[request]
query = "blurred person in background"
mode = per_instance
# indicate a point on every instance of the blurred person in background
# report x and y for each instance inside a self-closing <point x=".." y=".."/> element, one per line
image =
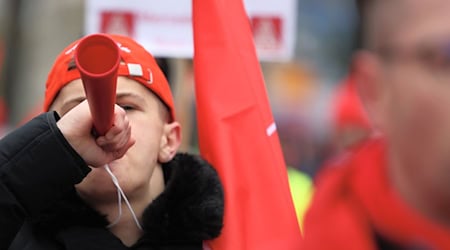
<point x="56" y="194"/>
<point x="350" y="124"/>
<point x="3" y="107"/>
<point x="4" y="128"/>
<point x="393" y="192"/>
<point x="294" y="144"/>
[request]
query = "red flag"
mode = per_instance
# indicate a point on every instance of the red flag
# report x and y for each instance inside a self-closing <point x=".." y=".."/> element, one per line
<point x="237" y="133"/>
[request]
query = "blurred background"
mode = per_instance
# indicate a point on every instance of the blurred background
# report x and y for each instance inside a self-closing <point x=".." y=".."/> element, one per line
<point x="310" y="90"/>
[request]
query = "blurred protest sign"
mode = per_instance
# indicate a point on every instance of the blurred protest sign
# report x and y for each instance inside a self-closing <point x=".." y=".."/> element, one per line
<point x="165" y="27"/>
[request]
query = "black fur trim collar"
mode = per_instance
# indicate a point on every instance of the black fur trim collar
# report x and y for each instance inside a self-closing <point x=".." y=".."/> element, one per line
<point x="190" y="208"/>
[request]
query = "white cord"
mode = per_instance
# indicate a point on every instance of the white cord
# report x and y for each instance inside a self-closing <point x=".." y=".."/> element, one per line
<point x="119" y="203"/>
<point x="120" y="195"/>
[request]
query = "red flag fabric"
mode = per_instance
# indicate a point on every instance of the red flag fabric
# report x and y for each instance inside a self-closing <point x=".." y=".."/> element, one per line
<point x="237" y="133"/>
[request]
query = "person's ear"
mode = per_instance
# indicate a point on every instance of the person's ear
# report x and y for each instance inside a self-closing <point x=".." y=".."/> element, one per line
<point x="367" y="71"/>
<point x="170" y="142"/>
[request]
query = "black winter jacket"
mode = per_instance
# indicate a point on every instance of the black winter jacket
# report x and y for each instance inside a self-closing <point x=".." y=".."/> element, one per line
<point x="39" y="207"/>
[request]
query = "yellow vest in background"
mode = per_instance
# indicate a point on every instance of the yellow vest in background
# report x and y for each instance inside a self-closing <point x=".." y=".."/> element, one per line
<point x="301" y="191"/>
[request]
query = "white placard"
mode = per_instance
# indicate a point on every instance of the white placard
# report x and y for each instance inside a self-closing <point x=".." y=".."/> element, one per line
<point x="165" y="27"/>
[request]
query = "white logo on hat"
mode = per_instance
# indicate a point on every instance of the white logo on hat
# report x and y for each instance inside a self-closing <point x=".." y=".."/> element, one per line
<point x="71" y="49"/>
<point x="126" y="49"/>
<point x="150" y="73"/>
<point x="135" y="69"/>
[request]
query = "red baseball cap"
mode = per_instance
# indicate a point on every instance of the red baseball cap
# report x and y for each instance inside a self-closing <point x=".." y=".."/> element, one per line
<point x="136" y="63"/>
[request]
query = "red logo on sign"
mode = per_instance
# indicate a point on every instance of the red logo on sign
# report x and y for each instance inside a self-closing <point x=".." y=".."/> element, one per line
<point x="115" y="22"/>
<point x="267" y="32"/>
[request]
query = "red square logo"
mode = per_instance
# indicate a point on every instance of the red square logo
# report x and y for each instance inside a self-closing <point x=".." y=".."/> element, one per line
<point x="267" y="32"/>
<point x="117" y="22"/>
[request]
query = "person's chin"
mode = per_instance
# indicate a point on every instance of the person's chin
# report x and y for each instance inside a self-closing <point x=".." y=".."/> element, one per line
<point x="97" y="178"/>
<point x="100" y="191"/>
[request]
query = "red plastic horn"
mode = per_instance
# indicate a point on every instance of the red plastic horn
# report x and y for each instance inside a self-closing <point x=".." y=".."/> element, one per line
<point x="97" y="57"/>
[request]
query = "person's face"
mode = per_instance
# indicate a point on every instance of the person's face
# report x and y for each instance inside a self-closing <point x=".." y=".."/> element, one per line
<point x="148" y="120"/>
<point x="407" y="81"/>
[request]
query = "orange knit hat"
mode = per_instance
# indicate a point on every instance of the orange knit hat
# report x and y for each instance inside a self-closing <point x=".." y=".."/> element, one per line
<point x="137" y="64"/>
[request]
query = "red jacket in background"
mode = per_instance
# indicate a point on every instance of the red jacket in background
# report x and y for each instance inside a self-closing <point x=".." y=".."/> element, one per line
<point x="355" y="207"/>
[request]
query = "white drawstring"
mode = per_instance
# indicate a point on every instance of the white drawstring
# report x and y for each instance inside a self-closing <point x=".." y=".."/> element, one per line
<point x="119" y="203"/>
<point x="120" y="195"/>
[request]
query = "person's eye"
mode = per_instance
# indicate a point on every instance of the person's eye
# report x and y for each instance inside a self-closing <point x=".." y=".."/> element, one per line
<point x="66" y="108"/>
<point x="127" y="107"/>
